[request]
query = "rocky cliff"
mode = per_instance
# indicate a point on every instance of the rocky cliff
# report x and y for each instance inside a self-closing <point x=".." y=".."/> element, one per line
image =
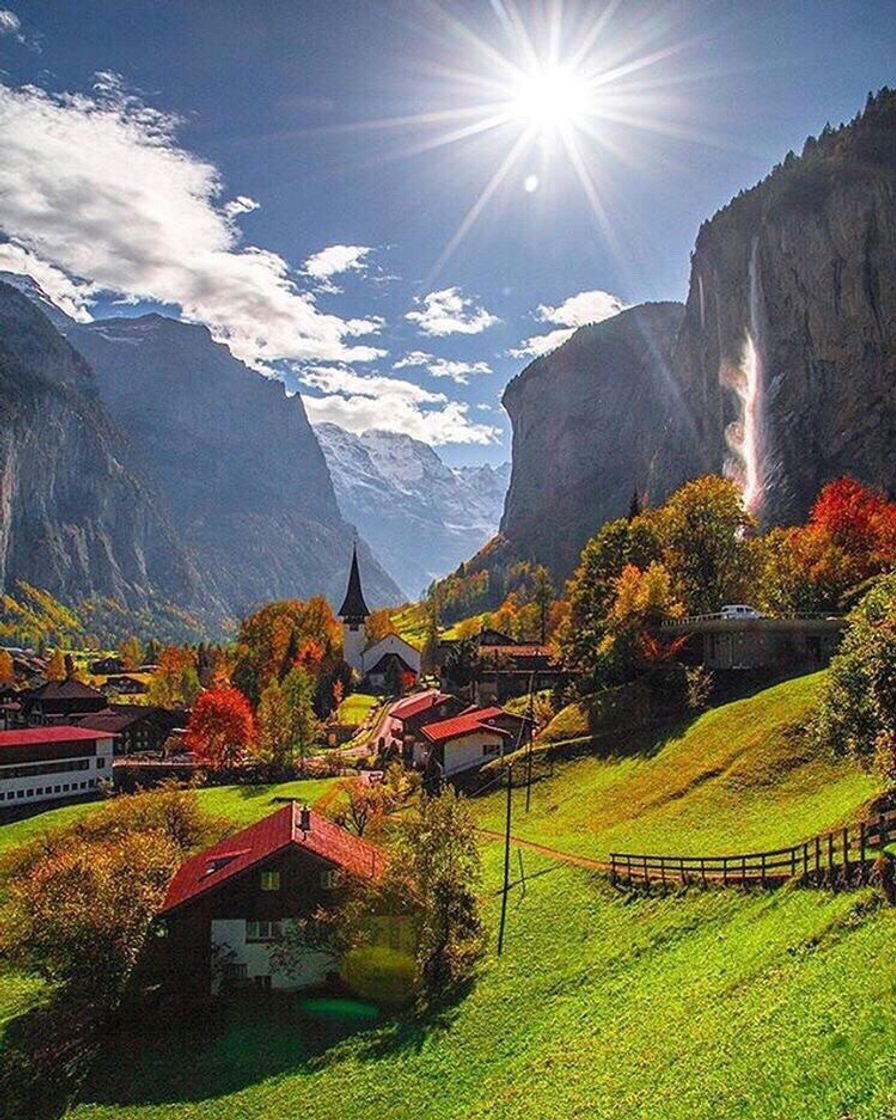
<point x="787" y="353"/>
<point x="73" y="518"/>
<point x="233" y="459"/>
<point x="595" y="420"/>
<point x="420" y="516"/>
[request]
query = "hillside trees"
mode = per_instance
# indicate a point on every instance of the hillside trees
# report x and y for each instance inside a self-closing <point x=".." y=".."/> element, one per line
<point x="221" y="728"/>
<point x="857" y="714"/>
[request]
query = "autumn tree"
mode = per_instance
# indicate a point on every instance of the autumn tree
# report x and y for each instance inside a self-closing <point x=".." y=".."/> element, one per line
<point x="33" y="616"/>
<point x="857" y="712"/>
<point x="7" y="669"/>
<point x="175" y="682"/>
<point x="131" y="653"/>
<point x="366" y="802"/>
<point x="221" y="728"/>
<point x="275" y="728"/>
<point x="439" y="854"/>
<point x="378" y="625"/>
<point x="55" y="670"/>
<point x="305" y="729"/>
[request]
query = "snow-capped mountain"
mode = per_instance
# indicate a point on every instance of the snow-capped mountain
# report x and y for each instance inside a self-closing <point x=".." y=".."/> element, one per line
<point x="420" y="516"/>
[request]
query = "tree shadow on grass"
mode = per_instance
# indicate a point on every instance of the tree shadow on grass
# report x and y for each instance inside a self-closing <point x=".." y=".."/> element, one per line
<point x="45" y="1055"/>
<point x="240" y="1042"/>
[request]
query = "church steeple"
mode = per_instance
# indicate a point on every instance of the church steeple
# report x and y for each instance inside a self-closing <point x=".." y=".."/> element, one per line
<point x="354" y="610"/>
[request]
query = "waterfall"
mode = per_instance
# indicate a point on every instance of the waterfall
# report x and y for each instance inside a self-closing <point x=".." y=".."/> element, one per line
<point x="746" y="436"/>
<point x="702" y="304"/>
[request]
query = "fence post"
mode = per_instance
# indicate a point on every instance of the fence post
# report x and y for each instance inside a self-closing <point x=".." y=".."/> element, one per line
<point x="793" y="863"/>
<point x="681" y="872"/>
<point x="628" y="860"/>
<point x="806" y="862"/>
<point x="743" y="870"/>
<point x="612" y="869"/>
<point x="703" y="870"/>
<point x="846" y="857"/>
<point x="663" y="871"/>
<point x="646" y="874"/>
<point x="725" y="871"/>
<point x="817" y="860"/>
<point x="832" y="882"/>
<point x="863" y="876"/>
<point x="763" y="868"/>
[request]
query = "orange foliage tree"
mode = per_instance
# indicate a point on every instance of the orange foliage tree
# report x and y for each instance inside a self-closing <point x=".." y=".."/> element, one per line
<point x="221" y="727"/>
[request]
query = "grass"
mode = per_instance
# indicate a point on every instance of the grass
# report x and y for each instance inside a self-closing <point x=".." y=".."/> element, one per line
<point x="688" y="1007"/>
<point x="695" y="1005"/>
<point x="241" y="804"/>
<point x="355" y="708"/>
<point x="739" y="778"/>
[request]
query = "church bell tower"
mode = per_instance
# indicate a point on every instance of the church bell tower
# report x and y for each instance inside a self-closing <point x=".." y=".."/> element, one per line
<point x="353" y="613"/>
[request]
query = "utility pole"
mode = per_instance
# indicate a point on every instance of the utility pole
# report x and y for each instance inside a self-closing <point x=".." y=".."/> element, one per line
<point x="506" y="859"/>
<point x="530" y="719"/>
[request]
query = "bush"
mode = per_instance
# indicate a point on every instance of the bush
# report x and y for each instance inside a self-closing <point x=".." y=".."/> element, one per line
<point x="379" y="974"/>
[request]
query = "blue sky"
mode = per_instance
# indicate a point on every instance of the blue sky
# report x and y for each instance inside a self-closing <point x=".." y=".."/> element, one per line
<point x="316" y="181"/>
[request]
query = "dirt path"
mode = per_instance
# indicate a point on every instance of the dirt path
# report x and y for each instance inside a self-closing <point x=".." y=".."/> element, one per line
<point x="531" y="846"/>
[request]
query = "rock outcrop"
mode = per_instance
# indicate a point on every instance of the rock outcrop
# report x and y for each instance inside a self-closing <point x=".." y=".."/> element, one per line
<point x="594" y="421"/>
<point x="787" y="353"/>
<point x="73" y="519"/>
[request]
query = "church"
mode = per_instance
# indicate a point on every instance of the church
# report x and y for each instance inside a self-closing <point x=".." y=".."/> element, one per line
<point x="388" y="659"/>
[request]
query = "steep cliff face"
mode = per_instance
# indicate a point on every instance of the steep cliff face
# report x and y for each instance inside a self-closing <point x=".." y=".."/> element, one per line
<point x="73" y="519"/>
<point x="593" y="421"/>
<point x="233" y="459"/>
<point x="421" y="517"/>
<point x="787" y="353"/>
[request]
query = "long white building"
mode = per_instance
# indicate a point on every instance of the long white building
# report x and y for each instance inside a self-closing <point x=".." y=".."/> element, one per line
<point x="52" y="763"/>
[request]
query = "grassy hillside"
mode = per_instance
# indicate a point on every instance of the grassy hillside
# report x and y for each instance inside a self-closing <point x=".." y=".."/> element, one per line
<point x="740" y="777"/>
<point x="241" y="804"/>
<point x="690" y="1006"/>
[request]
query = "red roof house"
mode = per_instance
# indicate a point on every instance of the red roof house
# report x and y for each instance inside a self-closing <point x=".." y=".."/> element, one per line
<point x="227" y="907"/>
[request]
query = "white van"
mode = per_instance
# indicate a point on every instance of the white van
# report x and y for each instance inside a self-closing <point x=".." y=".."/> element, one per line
<point x="739" y="610"/>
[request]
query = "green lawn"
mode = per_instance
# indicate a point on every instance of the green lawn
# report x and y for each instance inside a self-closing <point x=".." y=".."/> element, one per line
<point x="689" y="1007"/>
<point x="695" y="1005"/>
<point x="241" y="804"/>
<point x="355" y="709"/>
<point x="740" y="777"/>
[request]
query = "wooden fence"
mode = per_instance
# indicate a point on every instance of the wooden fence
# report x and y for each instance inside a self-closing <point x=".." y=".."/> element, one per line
<point x="836" y="859"/>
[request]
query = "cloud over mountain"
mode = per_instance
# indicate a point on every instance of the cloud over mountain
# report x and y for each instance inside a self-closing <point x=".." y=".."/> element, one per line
<point x="97" y="188"/>
<point x="576" y="311"/>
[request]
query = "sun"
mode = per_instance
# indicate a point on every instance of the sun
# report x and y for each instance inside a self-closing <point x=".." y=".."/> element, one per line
<point x="550" y="98"/>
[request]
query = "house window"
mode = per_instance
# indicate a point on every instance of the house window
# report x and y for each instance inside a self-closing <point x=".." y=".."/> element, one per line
<point x="328" y="878"/>
<point x="270" y="880"/>
<point x="262" y="931"/>
<point x="100" y="763"/>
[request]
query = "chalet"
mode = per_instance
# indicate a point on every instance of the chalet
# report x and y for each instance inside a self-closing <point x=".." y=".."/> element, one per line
<point x="124" y="684"/>
<point x="382" y="663"/>
<point x="103" y="666"/>
<point x="413" y="712"/>
<point x="470" y="739"/>
<point x="52" y="763"/>
<point x="507" y="668"/>
<point x="58" y="701"/>
<point x="137" y="727"/>
<point x="227" y="907"/>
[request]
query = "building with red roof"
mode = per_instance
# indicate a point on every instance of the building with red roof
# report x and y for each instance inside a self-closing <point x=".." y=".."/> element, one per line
<point x="227" y="907"/>
<point x="472" y="737"/>
<point x="52" y="763"/>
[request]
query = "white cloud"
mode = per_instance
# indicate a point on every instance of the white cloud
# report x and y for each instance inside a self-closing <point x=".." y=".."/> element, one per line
<point x="575" y="312"/>
<point x="71" y="296"/>
<point x="242" y="204"/>
<point x="10" y="24"/>
<point x="360" y="402"/>
<point x="449" y="312"/>
<point x="97" y="187"/>
<point x="458" y="371"/>
<point x="332" y="261"/>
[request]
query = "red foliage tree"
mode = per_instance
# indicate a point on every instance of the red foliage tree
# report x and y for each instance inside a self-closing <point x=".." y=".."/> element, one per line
<point x="221" y="727"/>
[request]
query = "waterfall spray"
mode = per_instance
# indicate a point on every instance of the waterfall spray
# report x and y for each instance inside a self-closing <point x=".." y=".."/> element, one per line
<point x="746" y="437"/>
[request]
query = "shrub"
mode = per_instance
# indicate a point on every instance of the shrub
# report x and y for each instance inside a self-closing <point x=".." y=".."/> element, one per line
<point x="382" y="975"/>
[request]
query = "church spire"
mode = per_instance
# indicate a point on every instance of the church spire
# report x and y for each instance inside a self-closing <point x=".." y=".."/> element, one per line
<point x="354" y="609"/>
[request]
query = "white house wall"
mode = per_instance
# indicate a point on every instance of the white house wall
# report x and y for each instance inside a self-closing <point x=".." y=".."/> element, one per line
<point x="471" y="750"/>
<point x="230" y="933"/>
<point x="23" y="790"/>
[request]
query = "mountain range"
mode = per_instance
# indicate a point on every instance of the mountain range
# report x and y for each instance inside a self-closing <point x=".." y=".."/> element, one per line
<point x="420" y="517"/>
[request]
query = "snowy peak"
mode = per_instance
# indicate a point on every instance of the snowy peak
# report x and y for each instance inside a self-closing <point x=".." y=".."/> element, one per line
<point x="419" y="515"/>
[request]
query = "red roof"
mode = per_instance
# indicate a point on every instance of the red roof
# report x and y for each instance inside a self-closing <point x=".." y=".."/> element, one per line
<point x="416" y="704"/>
<point x="36" y="736"/>
<point x="266" y="837"/>
<point x="473" y="719"/>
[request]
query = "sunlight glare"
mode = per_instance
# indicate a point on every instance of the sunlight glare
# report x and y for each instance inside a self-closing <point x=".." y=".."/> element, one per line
<point x="550" y="98"/>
